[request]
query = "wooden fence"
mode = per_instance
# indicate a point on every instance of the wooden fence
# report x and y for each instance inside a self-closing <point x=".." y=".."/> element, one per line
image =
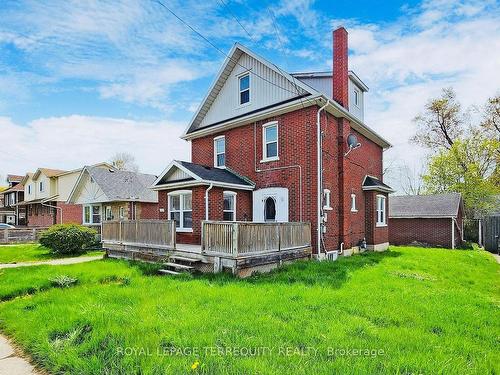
<point x="491" y="233"/>
<point x="245" y="238"/>
<point x="18" y="235"/>
<point x="160" y="233"/>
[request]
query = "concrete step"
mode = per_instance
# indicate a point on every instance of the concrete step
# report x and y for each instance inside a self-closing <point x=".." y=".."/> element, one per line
<point x="178" y="266"/>
<point x="169" y="272"/>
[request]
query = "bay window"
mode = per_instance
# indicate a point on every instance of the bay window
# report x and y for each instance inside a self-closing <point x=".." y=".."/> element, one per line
<point x="180" y="210"/>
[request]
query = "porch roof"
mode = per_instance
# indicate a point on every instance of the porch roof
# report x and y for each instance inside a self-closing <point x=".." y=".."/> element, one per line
<point x="373" y="183"/>
<point x="197" y="174"/>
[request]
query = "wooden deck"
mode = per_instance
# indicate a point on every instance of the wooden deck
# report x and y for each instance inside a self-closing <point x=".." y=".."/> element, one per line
<point x="239" y="247"/>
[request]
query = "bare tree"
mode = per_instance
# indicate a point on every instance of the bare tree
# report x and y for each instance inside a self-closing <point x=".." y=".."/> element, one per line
<point x="124" y="161"/>
<point x="441" y="123"/>
<point x="411" y="179"/>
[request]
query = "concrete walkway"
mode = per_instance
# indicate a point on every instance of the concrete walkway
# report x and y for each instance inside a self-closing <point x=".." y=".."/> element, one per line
<point x="10" y="361"/>
<point x="54" y="262"/>
<point x="497" y="257"/>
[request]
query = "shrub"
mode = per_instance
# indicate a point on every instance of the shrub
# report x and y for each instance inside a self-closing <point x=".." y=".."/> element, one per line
<point x="63" y="281"/>
<point x="68" y="238"/>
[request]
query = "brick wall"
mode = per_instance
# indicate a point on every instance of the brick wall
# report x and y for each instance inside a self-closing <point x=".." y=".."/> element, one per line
<point x="435" y="232"/>
<point x="148" y="211"/>
<point x="72" y="213"/>
<point x="40" y="216"/>
<point x="297" y="147"/>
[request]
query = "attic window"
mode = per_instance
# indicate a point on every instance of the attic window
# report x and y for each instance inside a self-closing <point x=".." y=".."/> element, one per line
<point x="357" y="95"/>
<point x="244" y="86"/>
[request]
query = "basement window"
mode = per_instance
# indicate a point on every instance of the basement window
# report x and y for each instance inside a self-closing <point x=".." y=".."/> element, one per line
<point x="244" y="86"/>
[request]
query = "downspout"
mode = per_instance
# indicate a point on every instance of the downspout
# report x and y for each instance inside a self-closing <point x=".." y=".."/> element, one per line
<point x="452" y="233"/>
<point x="206" y="200"/>
<point x="319" y="177"/>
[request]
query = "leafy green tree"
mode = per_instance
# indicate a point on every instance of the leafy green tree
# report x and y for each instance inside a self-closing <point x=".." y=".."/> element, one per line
<point x="469" y="166"/>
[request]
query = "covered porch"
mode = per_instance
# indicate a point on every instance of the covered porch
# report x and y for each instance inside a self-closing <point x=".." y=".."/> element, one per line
<point x="239" y="247"/>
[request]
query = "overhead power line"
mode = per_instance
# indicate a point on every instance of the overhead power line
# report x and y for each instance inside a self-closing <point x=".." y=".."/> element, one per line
<point x="218" y="49"/>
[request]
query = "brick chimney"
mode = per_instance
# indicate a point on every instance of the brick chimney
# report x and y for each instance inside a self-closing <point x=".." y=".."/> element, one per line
<point x="340" y="67"/>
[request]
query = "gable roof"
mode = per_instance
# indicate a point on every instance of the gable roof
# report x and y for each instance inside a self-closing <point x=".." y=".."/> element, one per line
<point x="300" y="90"/>
<point x="231" y="61"/>
<point x="124" y="185"/>
<point x="14" y="178"/>
<point x="47" y="172"/>
<point x="425" y="206"/>
<point x="373" y="183"/>
<point x="197" y="174"/>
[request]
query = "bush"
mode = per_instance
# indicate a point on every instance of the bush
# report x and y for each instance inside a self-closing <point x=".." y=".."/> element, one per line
<point x="68" y="238"/>
<point x="63" y="281"/>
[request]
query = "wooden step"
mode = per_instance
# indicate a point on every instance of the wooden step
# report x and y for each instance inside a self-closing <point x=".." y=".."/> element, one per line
<point x="184" y="259"/>
<point x="169" y="272"/>
<point x="178" y="266"/>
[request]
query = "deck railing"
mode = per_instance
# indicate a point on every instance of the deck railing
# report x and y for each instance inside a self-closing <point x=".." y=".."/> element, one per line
<point x="159" y="233"/>
<point x="246" y="238"/>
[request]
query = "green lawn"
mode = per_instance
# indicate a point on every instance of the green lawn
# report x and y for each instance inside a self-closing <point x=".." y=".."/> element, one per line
<point x="32" y="253"/>
<point x="406" y="311"/>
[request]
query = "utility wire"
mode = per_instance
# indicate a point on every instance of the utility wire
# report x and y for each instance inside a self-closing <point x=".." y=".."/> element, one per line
<point x="236" y="19"/>
<point x="217" y="48"/>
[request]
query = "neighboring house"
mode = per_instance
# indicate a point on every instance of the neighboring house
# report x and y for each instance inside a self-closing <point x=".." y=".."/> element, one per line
<point x="9" y="212"/>
<point x="257" y="156"/>
<point x="429" y="219"/>
<point x="111" y="194"/>
<point x="45" y="194"/>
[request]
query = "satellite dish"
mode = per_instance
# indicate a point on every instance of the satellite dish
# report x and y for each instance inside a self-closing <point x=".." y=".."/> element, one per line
<point x="352" y="142"/>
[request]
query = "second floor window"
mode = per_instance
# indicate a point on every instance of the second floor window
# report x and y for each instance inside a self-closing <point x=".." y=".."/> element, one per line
<point x="244" y="86"/>
<point x="270" y="141"/>
<point x="29" y="189"/>
<point x="41" y="185"/>
<point x="220" y="151"/>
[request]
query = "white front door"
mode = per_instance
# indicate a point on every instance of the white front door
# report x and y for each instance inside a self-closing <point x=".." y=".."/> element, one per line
<point x="270" y="205"/>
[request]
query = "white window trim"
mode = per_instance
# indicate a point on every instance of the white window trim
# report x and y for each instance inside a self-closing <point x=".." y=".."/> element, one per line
<point x="106" y="213"/>
<point x="327" y="199"/>
<point x="122" y="212"/>
<point x="234" y="194"/>
<point x="239" y="77"/>
<point x="181" y="228"/>
<point x="29" y="189"/>
<point x="356" y="91"/>
<point x="265" y="158"/>
<point x="91" y="222"/>
<point x="41" y="186"/>
<point x="353" y="203"/>
<point x="381" y="223"/>
<point x="216" y="154"/>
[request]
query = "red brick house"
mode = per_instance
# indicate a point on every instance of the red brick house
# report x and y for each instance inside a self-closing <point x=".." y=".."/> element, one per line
<point x="435" y="220"/>
<point x="272" y="146"/>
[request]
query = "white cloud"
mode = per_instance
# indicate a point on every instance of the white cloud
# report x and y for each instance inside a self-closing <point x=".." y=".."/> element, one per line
<point x="73" y="141"/>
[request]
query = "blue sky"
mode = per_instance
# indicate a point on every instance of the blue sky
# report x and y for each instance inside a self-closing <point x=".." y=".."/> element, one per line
<point x="80" y="81"/>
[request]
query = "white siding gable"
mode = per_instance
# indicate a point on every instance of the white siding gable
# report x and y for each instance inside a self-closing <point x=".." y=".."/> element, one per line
<point x="89" y="192"/>
<point x="356" y="110"/>
<point x="263" y="91"/>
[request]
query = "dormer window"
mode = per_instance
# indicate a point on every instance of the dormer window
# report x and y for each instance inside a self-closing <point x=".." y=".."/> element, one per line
<point x="29" y="189"/>
<point x="357" y="97"/>
<point x="41" y="186"/>
<point x="244" y="85"/>
<point x="220" y="152"/>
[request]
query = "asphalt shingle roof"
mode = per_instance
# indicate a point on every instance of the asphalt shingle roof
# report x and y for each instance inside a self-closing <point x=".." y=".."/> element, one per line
<point x="436" y="205"/>
<point x="216" y="174"/>
<point x="372" y="182"/>
<point x="124" y="185"/>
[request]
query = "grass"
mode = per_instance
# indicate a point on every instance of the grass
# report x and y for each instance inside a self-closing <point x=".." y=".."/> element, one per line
<point x="32" y="252"/>
<point x="405" y="311"/>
